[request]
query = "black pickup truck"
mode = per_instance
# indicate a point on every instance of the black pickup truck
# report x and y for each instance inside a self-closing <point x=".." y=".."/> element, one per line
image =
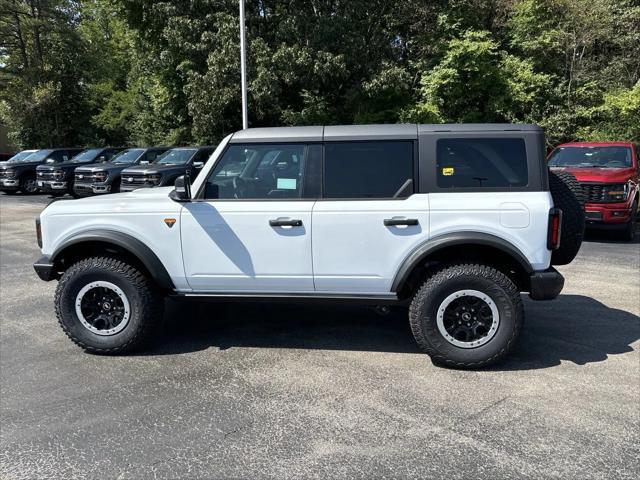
<point x="169" y="166"/>
<point x="19" y="175"/>
<point x="105" y="177"/>
<point x="57" y="178"/>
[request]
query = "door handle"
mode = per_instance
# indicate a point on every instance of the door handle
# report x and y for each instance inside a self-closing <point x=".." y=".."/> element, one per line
<point x="285" y="223"/>
<point x="394" y="222"/>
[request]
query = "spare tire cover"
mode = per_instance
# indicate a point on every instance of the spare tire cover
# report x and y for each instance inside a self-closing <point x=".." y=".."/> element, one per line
<point x="568" y="197"/>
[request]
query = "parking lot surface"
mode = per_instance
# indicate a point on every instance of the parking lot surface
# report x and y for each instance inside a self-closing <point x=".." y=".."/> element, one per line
<point x="273" y="390"/>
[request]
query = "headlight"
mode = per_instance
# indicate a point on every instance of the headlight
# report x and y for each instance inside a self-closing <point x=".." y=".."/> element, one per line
<point x="615" y="192"/>
<point x="155" y="178"/>
<point x="100" y="176"/>
<point x="41" y="174"/>
<point x="10" y="173"/>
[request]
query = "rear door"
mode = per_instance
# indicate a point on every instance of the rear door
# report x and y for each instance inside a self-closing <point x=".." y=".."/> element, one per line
<point x="369" y="218"/>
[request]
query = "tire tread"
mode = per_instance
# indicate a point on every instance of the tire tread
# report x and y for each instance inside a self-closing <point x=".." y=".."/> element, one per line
<point x="446" y="273"/>
<point x="140" y="282"/>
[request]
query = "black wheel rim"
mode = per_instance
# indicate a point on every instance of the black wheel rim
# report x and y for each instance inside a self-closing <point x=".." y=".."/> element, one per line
<point x="468" y="318"/>
<point x="102" y="308"/>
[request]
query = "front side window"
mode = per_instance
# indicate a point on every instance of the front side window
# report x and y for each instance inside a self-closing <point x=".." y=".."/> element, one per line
<point x="258" y="172"/>
<point x="378" y="169"/>
<point x="591" y="157"/>
<point x="481" y="162"/>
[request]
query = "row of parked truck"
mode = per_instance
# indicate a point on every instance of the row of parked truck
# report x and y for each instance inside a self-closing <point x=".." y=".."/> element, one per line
<point x="84" y="172"/>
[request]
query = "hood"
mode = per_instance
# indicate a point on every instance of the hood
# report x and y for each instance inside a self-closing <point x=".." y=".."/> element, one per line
<point x="147" y="200"/>
<point x="600" y="175"/>
<point x="5" y="165"/>
<point x="154" y="168"/>
<point x="101" y="167"/>
<point x="48" y="167"/>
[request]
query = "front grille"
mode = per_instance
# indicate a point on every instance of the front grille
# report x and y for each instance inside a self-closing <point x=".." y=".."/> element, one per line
<point x="594" y="192"/>
<point x="48" y="176"/>
<point x="84" y="178"/>
<point x="133" y="179"/>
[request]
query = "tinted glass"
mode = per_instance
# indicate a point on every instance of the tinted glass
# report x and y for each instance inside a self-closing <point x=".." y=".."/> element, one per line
<point x="591" y="157"/>
<point x="176" y="156"/>
<point x="203" y="155"/>
<point x="128" y="156"/>
<point x="151" y="155"/>
<point x="481" y="162"/>
<point x="86" y="156"/>
<point x="368" y="169"/>
<point x="258" y="172"/>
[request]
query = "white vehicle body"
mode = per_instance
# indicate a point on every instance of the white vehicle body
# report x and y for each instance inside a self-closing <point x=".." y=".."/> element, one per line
<point x="341" y="248"/>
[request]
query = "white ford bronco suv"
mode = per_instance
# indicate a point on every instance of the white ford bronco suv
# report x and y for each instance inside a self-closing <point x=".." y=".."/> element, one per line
<point x="454" y="221"/>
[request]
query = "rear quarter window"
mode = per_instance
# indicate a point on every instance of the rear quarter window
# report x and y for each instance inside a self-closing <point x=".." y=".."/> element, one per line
<point x="481" y="163"/>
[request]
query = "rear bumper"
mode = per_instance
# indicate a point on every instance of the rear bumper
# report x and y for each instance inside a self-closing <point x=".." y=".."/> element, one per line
<point x="44" y="269"/>
<point x="546" y="284"/>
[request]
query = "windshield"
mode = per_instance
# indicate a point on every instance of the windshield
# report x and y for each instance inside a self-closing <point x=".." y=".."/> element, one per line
<point x="38" y="156"/>
<point x="86" y="156"/>
<point x="21" y="155"/>
<point x="176" y="157"/>
<point x="128" y="156"/>
<point x="590" y="157"/>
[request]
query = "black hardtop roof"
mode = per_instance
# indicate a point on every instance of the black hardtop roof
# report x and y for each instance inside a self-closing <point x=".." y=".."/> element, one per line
<point x="369" y="132"/>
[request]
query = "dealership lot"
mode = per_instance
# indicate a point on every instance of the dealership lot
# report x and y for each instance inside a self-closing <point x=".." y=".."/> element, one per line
<point x="273" y="390"/>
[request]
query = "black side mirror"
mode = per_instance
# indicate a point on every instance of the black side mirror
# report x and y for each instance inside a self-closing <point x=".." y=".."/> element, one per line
<point x="182" y="190"/>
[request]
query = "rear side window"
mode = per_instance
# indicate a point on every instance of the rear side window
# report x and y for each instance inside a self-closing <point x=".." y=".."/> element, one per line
<point x="381" y="169"/>
<point x="481" y="162"/>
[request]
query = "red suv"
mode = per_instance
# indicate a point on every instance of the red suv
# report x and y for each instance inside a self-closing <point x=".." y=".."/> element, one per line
<point x="609" y="175"/>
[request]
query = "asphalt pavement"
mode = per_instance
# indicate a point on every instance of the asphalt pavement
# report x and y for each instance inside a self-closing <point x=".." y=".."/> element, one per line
<point x="238" y="390"/>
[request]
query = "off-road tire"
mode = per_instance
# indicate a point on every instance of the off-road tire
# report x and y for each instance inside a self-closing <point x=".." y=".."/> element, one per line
<point x="568" y="197"/>
<point x="146" y="304"/>
<point x="428" y="298"/>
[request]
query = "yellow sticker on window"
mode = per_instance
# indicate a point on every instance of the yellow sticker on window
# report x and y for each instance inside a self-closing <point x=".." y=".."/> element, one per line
<point x="447" y="171"/>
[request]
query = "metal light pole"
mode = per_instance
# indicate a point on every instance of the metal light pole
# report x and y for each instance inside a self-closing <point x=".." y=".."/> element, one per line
<point x="243" y="69"/>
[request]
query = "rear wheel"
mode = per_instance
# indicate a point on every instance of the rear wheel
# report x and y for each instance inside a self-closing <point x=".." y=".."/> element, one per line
<point x="466" y="316"/>
<point x="568" y="197"/>
<point x="107" y="306"/>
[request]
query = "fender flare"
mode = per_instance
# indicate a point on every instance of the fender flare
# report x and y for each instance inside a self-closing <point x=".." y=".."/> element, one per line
<point x="129" y="243"/>
<point x="422" y="251"/>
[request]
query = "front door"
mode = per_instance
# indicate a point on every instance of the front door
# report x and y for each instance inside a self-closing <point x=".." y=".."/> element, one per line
<point x="250" y="229"/>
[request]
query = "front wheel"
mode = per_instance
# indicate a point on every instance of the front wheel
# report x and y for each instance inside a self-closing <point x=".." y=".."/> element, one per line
<point x="107" y="306"/>
<point x="29" y="185"/>
<point x="466" y="316"/>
